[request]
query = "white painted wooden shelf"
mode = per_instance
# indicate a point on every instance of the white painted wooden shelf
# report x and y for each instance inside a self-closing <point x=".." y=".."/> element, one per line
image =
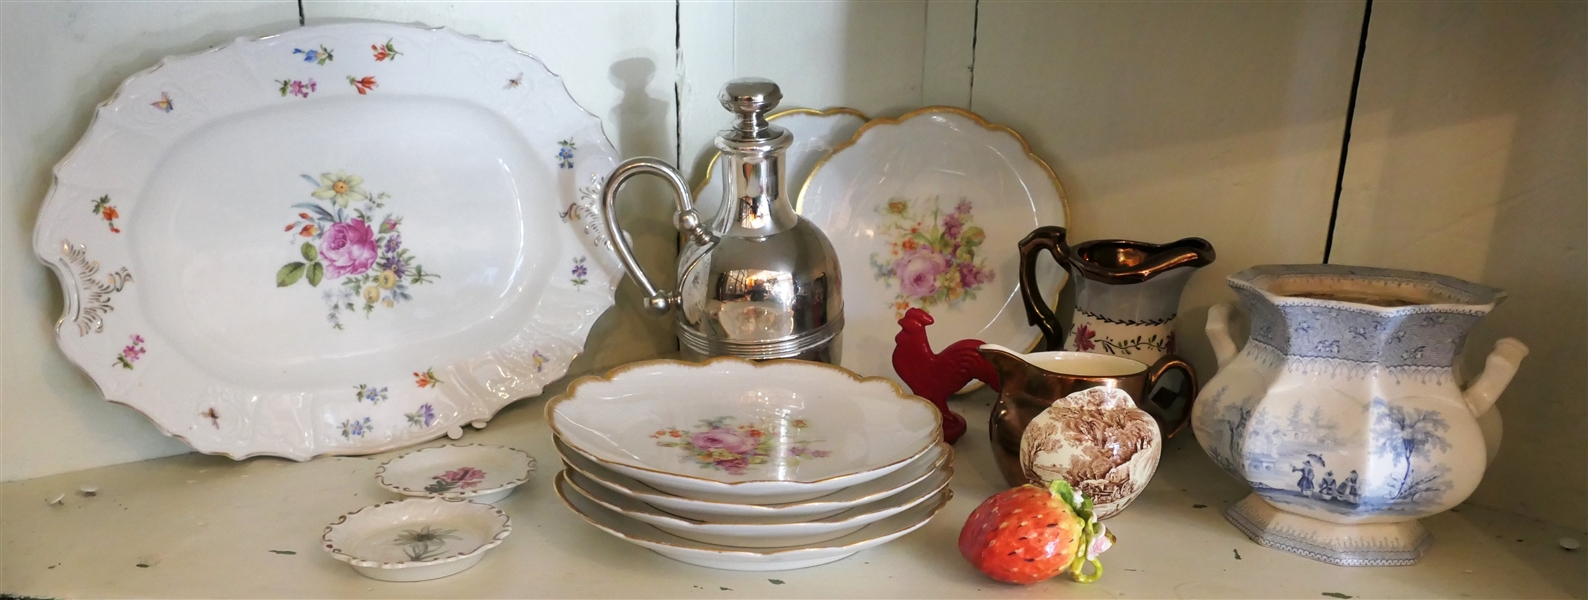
<point x="205" y="526"/>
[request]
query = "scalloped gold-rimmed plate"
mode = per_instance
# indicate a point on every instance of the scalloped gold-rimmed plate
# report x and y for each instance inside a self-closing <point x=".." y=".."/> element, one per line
<point x="732" y="430"/>
<point x="762" y="535"/>
<point x="926" y="211"/>
<point x="751" y="559"/>
<point x="729" y="512"/>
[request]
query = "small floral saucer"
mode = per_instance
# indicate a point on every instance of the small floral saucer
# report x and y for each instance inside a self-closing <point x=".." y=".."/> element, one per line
<point x="457" y="472"/>
<point x="416" y="539"/>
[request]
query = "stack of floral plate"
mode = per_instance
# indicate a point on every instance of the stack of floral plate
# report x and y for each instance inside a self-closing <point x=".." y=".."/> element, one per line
<point x="749" y="466"/>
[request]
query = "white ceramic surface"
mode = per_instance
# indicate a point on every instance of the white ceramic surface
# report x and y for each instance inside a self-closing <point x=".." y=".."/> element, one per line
<point x="416" y="539"/>
<point x="763" y="535"/>
<point x="925" y="211"/>
<point x="1344" y="410"/>
<point x="474" y="472"/>
<point x="300" y="246"/>
<point x="732" y="430"/>
<point x="745" y="559"/>
<point x="728" y="512"/>
<point x="816" y="133"/>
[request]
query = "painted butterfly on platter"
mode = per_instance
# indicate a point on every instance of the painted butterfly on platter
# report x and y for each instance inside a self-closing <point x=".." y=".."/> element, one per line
<point x="164" y="103"/>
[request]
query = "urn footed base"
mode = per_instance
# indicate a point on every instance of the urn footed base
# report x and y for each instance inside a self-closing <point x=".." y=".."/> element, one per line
<point x="1370" y="545"/>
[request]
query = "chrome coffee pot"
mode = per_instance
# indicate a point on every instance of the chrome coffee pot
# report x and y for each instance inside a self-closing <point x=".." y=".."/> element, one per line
<point x="758" y="281"/>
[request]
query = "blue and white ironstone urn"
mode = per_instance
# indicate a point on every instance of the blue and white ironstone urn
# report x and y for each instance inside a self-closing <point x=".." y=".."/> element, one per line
<point x="1344" y="412"/>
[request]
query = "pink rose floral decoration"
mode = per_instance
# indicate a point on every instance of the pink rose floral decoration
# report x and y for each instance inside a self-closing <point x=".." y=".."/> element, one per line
<point x="918" y="270"/>
<point x="344" y="235"/>
<point x="459" y="478"/>
<point x="722" y="438"/>
<point x="930" y="255"/>
<point x="736" y="448"/>
<point x="348" y="248"/>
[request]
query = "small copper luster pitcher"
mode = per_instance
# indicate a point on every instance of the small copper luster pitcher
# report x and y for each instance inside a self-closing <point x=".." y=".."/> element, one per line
<point x="1030" y="383"/>
<point x="1127" y="294"/>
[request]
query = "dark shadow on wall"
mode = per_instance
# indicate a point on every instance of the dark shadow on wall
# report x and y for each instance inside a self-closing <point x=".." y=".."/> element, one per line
<point x="641" y="119"/>
<point x="645" y="212"/>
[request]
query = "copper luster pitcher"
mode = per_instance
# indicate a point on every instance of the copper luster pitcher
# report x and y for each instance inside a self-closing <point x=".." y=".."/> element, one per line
<point x="1127" y="295"/>
<point x="1030" y="383"/>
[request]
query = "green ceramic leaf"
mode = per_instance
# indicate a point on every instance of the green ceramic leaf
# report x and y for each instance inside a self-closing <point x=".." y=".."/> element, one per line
<point x="973" y="236"/>
<point x="1062" y="489"/>
<point x="316" y="273"/>
<point x="309" y="253"/>
<point x="289" y="274"/>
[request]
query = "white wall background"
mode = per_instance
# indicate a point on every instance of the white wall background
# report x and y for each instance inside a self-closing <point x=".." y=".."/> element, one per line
<point x="1163" y="120"/>
<point x="1467" y="158"/>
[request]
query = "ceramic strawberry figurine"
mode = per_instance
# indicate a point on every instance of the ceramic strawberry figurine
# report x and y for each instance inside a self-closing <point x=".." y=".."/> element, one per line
<point x="1030" y="534"/>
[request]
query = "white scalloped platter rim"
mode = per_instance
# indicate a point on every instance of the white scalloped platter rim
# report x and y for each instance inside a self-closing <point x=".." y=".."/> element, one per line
<point x="204" y="382"/>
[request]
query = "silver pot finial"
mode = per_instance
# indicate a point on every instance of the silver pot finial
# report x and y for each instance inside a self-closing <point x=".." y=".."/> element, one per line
<point x="750" y="99"/>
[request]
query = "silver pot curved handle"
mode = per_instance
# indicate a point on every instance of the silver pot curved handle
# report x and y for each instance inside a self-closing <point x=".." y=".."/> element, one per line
<point x="687" y="221"/>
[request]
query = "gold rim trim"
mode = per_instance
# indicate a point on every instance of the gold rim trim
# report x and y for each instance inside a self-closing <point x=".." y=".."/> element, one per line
<point x="573" y="389"/>
<point x="380" y="474"/>
<point x="560" y="482"/>
<point x="711" y="165"/>
<point x="691" y="523"/>
<point x="337" y="553"/>
<point x="944" y="460"/>
<point x="1064" y="201"/>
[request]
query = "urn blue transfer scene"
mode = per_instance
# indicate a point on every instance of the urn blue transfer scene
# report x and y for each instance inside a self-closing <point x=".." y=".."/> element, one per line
<point x="1344" y="411"/>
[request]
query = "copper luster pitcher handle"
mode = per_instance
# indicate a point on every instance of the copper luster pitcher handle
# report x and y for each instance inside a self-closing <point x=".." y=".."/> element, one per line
<point x="1051" y="239"/>
<point x="1170" y="419"/>
<point x="687" y="221"/>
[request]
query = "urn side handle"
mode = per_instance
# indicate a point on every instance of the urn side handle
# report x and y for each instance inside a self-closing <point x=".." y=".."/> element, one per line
<point x="1497" y="373"/>
<point x="1218" y="330"/>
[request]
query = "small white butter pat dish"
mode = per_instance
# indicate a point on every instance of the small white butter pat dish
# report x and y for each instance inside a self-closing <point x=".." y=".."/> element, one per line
<point x="457" y="472"/>
<point x="416" y="539"/>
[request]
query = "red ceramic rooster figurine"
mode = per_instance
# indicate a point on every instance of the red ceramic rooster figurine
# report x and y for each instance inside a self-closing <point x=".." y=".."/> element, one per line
<point x="936" y="376"/>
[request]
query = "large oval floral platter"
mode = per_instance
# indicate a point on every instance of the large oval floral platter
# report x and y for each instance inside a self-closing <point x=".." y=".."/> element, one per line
<point x="338" y="240"/>
<point x="926" y="211"/>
